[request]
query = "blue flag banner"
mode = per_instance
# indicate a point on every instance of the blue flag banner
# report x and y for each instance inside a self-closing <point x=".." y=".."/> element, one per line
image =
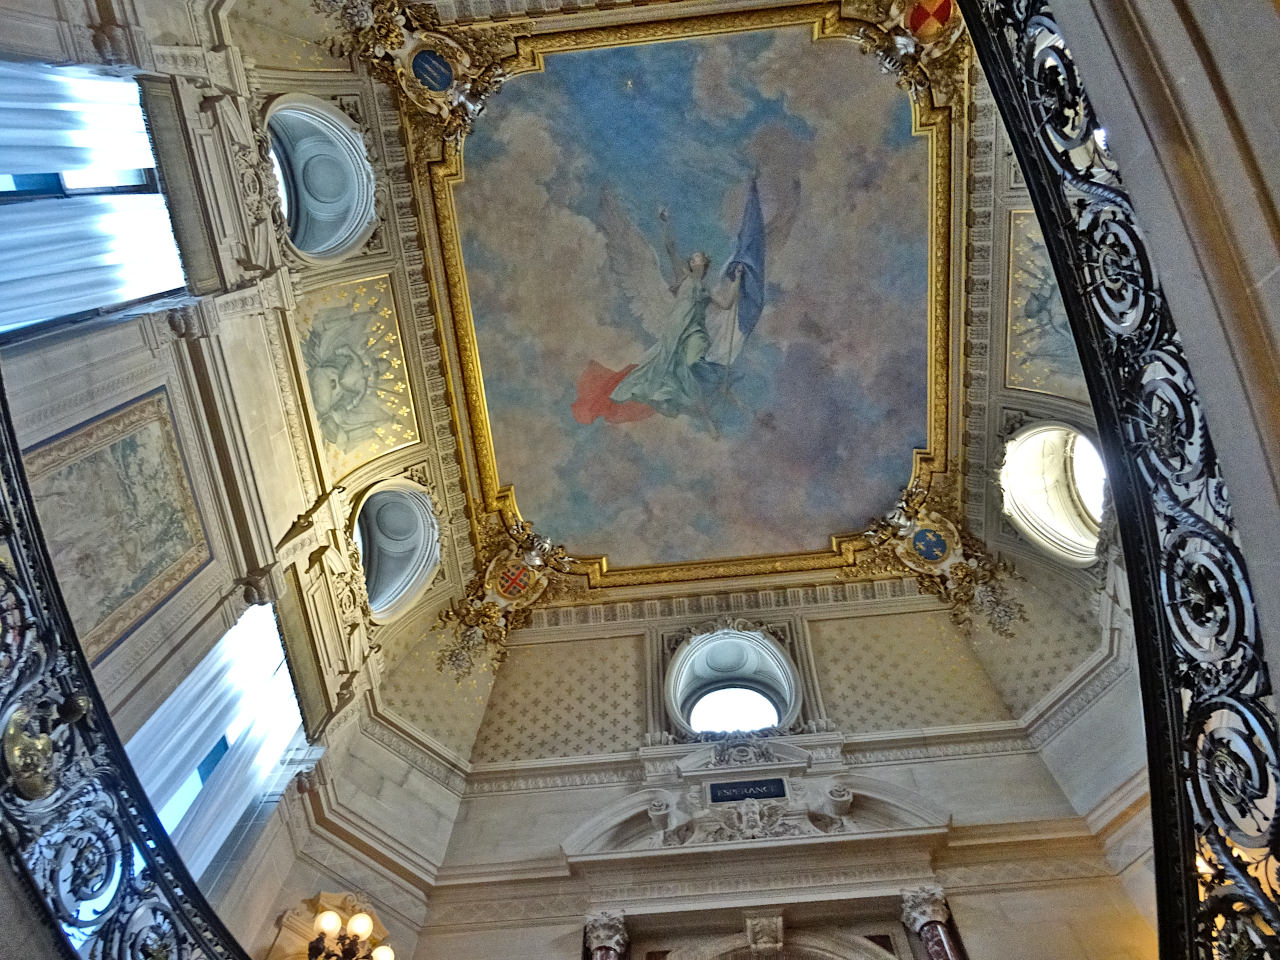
<point x="750" y="256"/>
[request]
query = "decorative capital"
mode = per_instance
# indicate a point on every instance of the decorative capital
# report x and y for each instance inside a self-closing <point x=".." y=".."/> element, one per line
<point x="764" y="935"/>
<point x="922" y="905"/>
<point x="605" y="936"/>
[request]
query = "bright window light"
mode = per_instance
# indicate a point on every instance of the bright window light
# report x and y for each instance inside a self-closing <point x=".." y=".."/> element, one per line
<point x="171" y="813"/>
<point x="1053" y="482"/>
<point x="280" y="184"/>
<point x="102" y="177"/>
<point x="732" y="708"/>
<point x="1089" y="475"/>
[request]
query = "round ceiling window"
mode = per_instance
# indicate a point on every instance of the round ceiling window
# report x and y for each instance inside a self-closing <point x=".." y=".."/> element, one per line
<point x="326" y="182"/>
<point x="732" y="708"/>
<point x="731" y="679"/>
<point x="1054" y="485"/>
<point x="399" y="542"/>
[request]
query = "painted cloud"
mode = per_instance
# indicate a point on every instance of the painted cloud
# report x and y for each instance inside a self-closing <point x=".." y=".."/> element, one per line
<point x="810" y="430"/>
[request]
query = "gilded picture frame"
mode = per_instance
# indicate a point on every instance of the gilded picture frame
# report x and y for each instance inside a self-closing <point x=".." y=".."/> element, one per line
<point x="441" y="173"/>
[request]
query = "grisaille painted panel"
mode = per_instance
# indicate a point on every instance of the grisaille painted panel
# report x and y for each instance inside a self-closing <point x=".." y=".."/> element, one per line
<point x="349" y="338"/>
<point x="122" y="525"/>
<point x="1041" y="353"/>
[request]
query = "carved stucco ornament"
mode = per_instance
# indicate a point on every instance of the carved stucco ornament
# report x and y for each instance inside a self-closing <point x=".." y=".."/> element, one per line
<point x="605" y="937"/>
<point x="445" y="73"/>
<point x="809" y="809"/>
<point x="517" y="567"/>
<point x="919" y="537"/>
<point x="742" y="752"/>
<point x="929" y="56"/>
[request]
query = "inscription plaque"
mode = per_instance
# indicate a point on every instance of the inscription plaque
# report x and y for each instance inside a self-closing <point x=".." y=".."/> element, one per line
<point x="768" y="789"/>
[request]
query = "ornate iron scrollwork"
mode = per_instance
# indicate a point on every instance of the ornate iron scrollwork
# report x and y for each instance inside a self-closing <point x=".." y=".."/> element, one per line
<point x="1210" y="714"/>
<point x="75" y="820"/>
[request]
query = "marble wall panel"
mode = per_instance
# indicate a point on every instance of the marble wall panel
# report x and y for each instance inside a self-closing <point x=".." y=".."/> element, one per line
<point x="1069" y="920"/>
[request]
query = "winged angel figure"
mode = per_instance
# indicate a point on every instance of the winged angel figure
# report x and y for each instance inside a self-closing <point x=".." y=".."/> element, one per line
<point x="698" y="335"/>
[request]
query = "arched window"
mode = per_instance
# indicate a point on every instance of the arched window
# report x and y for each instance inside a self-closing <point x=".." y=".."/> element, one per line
<point x="731" y="679"/>
<point x="399" y="541"/>
<point x="83" y="225"/>
<point x="326" y="183"/>
<point x="1054" y="485"/>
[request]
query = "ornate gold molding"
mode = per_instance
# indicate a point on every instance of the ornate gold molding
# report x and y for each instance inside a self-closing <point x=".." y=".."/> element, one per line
<point x="518" y="567"/>
<point x="439" y="169"/>
<point x="921" y="537"/>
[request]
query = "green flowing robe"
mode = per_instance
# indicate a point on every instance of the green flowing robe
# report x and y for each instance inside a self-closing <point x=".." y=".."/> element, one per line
<point x="664" y="378"/>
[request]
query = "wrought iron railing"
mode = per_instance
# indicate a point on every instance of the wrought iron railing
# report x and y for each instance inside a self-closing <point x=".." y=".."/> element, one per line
<point x="1211" y="726"/>
<point x="78" y="827"/>
<point x="76" y="823"/>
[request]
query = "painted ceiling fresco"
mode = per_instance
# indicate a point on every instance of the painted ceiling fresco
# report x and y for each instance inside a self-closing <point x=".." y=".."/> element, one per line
<point x="698" y="275"/>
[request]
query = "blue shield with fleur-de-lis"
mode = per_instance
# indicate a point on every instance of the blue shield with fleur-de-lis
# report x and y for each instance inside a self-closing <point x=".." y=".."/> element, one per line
<point x="432" y="71"/>
<point x="929" y="544"/>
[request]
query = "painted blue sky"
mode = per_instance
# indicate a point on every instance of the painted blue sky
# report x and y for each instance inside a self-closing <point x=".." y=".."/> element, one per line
<point x="812" y="433"/>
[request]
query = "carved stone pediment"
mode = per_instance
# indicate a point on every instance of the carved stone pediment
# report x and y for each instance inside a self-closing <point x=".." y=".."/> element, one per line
<point x="742" y="755"/>
<point x="772" y="806"/>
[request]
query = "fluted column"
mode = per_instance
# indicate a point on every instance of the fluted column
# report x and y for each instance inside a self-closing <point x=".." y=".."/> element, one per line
<point x="925" y="913"/>
<point x="604" y="936"/>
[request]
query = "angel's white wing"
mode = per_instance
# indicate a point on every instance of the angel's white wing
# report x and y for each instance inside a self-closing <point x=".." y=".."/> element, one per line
<point x="778" y="227"/>
<point x="634" y="265"/>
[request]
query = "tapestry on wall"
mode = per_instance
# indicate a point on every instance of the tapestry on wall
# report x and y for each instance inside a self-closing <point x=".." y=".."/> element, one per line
<point x="119" y="517"/>
<point x="349" y="338"/>
<point x="1041" y="353"/>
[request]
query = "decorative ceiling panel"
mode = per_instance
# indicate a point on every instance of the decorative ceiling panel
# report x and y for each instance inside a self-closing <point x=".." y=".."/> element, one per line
<point x="699" y="292"/>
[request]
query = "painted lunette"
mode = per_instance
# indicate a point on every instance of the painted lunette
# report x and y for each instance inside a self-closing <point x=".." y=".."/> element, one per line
<point x="443" y="163"/>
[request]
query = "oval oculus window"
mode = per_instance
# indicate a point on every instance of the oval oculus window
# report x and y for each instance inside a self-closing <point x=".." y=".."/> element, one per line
<point x="732" y="708"/>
